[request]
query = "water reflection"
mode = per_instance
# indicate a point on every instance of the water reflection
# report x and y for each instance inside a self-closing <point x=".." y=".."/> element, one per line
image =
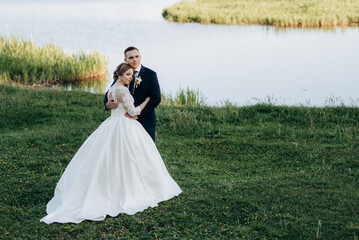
<point x="341" y="29"/>
<point x="89" y="85"/>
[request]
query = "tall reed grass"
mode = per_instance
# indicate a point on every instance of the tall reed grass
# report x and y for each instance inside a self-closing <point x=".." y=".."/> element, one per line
<point x="23" y="62"/>
<point x="280" y="13"/>
<point x="183" y="97"/>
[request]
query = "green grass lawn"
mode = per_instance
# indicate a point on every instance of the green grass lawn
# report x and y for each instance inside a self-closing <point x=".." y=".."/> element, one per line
<point x="256" y="172"/>
<point x="280" y="13"/>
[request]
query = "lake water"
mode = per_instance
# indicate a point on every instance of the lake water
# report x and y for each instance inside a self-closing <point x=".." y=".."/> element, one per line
<point x="242" y="64"/>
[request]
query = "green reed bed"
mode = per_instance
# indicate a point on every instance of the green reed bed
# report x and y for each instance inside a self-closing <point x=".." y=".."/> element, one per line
<point x="23" y="62"/>
<point x="183" y="97"/>
<point x="252" y="172"/>
<point x="279" y="13"/>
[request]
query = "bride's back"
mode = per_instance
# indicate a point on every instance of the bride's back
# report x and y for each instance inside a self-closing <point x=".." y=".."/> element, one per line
<point x="121" y="95"/>
<point x="117" y="93"/>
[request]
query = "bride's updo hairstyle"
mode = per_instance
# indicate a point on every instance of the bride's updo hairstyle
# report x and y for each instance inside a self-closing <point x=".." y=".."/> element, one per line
<point x="121" y="69"/>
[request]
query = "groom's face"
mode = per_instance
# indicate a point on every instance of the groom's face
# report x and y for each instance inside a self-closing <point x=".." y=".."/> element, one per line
<point x="133" y="58"/>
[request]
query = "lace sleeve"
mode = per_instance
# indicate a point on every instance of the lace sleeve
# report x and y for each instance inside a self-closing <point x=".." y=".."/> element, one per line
<point x="123" y="96"/>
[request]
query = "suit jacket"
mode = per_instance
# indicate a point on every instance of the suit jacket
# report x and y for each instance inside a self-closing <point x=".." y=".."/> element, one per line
<point x="149" y="87"/>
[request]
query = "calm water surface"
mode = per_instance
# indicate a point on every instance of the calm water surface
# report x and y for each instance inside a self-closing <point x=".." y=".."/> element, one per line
<point x="242" y="64"/>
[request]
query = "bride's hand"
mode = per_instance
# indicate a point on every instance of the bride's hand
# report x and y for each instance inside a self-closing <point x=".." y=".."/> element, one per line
<point x="131" y="117"/>
<point x="143" y="105"/>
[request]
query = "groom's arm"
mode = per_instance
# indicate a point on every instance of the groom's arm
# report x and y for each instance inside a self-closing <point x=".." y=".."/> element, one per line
<point x="154" y="94"/>
<point x="105" y="101"/>
<point x="109" y="104"/>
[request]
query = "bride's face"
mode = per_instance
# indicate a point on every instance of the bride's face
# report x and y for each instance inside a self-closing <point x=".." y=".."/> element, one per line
<point x="126" y="77"/>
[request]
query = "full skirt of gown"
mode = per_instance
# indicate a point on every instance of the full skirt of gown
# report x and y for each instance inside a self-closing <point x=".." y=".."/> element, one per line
<point x="118" y="169"/>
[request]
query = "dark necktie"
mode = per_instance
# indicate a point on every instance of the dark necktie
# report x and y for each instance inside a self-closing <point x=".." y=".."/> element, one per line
<point x="134" y="81"/>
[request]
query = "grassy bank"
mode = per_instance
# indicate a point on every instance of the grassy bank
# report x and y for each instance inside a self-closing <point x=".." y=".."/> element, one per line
<point x="258" y="172"/>
<point x="23" y="62"/>
<point x="282" y="13"/>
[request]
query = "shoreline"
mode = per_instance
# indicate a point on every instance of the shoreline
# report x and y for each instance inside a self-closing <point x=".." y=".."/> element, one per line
<point x="191" y="98"/>
<point x="303" y="26"/>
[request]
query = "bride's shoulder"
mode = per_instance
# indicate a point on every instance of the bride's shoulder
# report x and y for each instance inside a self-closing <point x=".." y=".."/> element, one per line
<point x="120" y="88"/>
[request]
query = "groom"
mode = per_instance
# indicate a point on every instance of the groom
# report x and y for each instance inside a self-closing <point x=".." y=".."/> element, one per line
<point x="140" y="90"/>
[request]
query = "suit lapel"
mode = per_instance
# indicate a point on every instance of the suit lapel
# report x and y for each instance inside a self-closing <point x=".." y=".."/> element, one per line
<point x="133" y="83"/>
<point x="142" y="71"/>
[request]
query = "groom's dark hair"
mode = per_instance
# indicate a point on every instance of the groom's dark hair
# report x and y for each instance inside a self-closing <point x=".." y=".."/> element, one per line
<point x="130" y="49"/>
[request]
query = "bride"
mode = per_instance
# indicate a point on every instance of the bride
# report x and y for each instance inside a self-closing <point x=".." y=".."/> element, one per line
<point x="117" y="169"/>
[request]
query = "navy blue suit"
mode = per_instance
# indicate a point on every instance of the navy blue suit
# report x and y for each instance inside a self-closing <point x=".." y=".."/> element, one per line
<point x="149" y="87"/>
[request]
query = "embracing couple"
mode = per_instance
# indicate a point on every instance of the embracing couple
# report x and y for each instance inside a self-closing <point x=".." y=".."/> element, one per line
<point x="118" y="169"/>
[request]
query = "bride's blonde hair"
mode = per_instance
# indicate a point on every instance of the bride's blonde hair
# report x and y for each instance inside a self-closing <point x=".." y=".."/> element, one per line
<point x="121" y="69"/>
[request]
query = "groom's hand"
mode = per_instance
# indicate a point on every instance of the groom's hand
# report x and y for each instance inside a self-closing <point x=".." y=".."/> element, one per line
<point x="111" y="104"/>
<point x="131" y="117"/>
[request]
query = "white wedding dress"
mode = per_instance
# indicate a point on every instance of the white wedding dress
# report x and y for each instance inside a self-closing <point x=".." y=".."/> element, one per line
<point x="117" y="170"/>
